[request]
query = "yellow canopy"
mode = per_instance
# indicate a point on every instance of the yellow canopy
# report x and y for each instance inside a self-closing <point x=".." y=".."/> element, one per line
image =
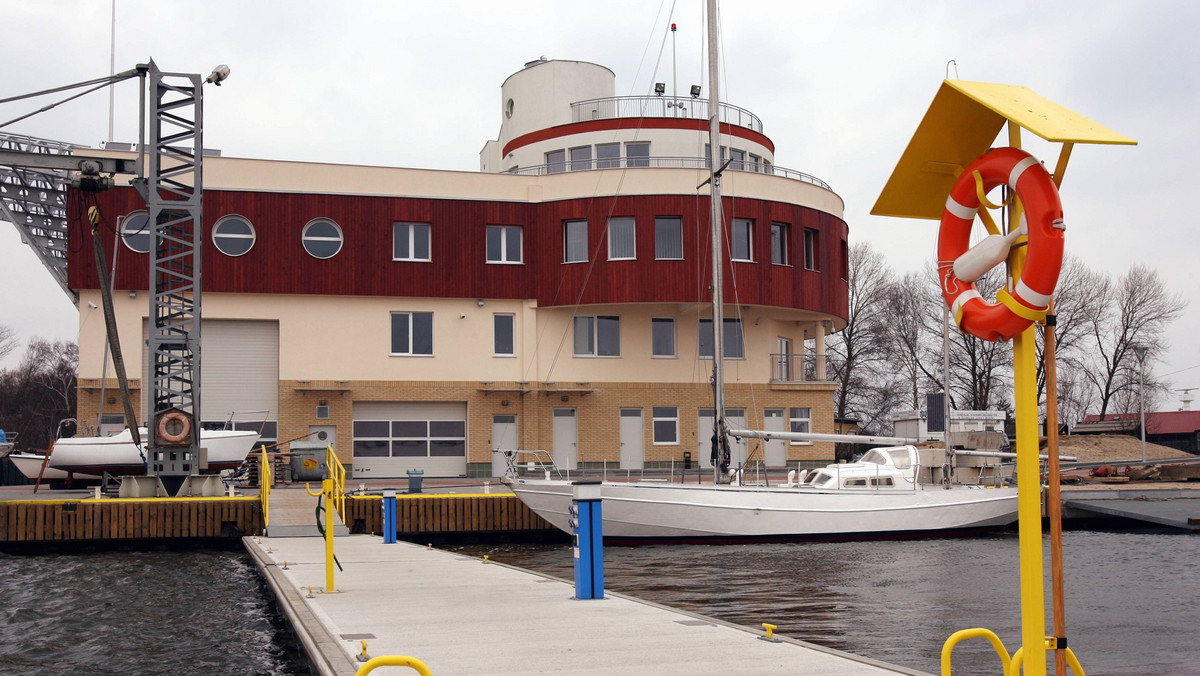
<point x="960" y="125"/>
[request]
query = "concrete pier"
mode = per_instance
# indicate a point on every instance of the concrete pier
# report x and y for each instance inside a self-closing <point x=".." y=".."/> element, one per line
<point x="461" y="615"/>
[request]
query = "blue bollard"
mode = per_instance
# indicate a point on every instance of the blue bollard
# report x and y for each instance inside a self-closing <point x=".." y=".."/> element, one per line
<point x="389" y="517"/>
<point x="588" y="527"/>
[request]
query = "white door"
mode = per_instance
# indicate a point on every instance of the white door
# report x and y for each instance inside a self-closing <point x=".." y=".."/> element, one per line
<point x="734" y="417"/>
<point x="633" y="449"/>
<point x="504" y="436"/>
<point x="566" y="439"/>
<point x="783" y="360"/>
<point x="775" y="451"/>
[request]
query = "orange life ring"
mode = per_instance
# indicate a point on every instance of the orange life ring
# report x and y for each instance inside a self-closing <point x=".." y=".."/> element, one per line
<point x="174" y="419"/>
<point x="1016" y="308"/>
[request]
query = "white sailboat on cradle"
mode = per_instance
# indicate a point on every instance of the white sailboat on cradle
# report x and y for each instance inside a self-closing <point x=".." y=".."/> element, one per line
<point x="882" y="496"/>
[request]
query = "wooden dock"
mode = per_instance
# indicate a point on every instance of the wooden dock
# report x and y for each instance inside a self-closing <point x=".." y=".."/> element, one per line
<point x="27" y="523"/>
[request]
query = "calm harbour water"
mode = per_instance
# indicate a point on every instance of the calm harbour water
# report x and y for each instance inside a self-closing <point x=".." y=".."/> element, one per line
<point x="1132" y="597"/>
<point x="1132" y="602"/>
<point x="179" y="613"/>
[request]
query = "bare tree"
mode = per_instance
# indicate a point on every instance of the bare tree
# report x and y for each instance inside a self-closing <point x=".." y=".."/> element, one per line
<point x="1136" y="318"/>
<point x="40" y="391"/>
<point x="1080" y="298"/>
<point x="913" y="341"/>
<point x="858" y="356"/>
<point x="8" y="340"/>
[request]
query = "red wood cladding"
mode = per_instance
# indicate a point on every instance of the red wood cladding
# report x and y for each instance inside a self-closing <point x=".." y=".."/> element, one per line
<point x="278" y="263"/>
<point x="564" y="130"/>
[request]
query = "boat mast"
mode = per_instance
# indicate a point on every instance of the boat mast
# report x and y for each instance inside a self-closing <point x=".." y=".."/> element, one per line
<point x="715" y="223"/>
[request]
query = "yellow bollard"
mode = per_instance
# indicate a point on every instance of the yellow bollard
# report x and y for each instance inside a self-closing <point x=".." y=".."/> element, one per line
<point x="363" y="656"/>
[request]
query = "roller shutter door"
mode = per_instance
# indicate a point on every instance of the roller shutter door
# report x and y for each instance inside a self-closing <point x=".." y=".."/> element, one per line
<point x="391" y="438"/>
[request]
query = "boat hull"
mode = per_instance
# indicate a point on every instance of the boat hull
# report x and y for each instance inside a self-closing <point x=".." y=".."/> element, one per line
<point x="637" y="512"/>
<point x="30" y="464"/>
<point x="118" y="455"/>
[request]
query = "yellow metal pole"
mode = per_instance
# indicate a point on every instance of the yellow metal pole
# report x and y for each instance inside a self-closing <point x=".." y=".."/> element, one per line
<point x="327" y="489"/>
<point x="1029" y="482"/>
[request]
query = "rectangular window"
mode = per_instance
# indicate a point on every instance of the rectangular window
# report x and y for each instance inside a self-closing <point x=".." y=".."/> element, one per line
<point x="410" y="241"/>
<point x="755" y="163"/>
<point x="608" y="155"/>
<point x="504" y="244"/>
<point x="845" y="260"/>
<point x="662" y="337"/>
<point x="556" y="161"/>
<point x="810" y="249"/>
<point x="738" y="158"/>
<point x="575" y="244"/>
<point x="734" y="346"/>
<point x="779" y="243"/>
<point x="708" y="155"/>
<point x="767" y="167"/>
<point x="598" y="336"/>
<point x="622" y="244"/>
<point x="668" y="238"/>
<point x="412" y="333"/>
<point x="410" y="438"/>
<point x="740" y="240"/>
<point x="666" y="425"/>
<point x="800" y="420"/>
<point x="503" y="335"/>
<point x="581" y="158"/>
<point x="637" y="154"/>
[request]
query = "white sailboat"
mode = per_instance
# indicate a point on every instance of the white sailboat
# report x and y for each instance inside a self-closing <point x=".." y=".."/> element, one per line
<point x="880" y="497"/>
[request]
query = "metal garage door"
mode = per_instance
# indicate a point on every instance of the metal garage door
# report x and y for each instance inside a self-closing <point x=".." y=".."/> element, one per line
<point x="239" y="379"/>
<point x="391" y="438"/>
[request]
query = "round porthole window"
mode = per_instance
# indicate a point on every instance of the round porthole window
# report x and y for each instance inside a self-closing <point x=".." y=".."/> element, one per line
<point x="233" y="235"/>
<point x="322" y="238"/>
<point x="136" y="231"/>
<point x="508" y="108"/>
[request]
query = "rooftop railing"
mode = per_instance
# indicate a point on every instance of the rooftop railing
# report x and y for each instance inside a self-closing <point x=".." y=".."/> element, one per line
<point x="660" y="106"/>
<point x="666" y="162"/>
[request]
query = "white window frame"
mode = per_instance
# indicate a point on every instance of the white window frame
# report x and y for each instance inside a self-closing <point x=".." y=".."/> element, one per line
<point x="594" y="338"/>
<point x="411" y="334"/>
<point x="659" y="321"/>
<point x="664" y="414"/>
<point x="410" y="231"/>
<point x="641" y="160"/>
<point x="678" y="221"/>
<point x="582" y="163"/>
<point x="739" y="228"/>
<point x="800" y="414"/>
<point x="505" y="233"/>
<point x="512" y="334"/>
<point x="559" y="167"/>
<point x="633" y="225"/>
<point x="780" y="245"/>
<point x="305" y="239"/>
<point x="810" y="249"/>
<point x="218" y="236"/>
<point x="611" y="161"/>
<point x="566" y="238"/>
<point x="728" y="321"/>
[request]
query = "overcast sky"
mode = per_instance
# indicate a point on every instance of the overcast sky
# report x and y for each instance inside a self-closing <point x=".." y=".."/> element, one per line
<point x="840" y="87"/>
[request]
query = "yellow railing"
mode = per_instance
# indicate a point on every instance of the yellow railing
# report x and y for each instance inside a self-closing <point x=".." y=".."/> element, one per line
<point x="337" y="472"/>
<point x="393" y="661"/>
<point x="1012" y="665"/>
<point x="265" y="480"/>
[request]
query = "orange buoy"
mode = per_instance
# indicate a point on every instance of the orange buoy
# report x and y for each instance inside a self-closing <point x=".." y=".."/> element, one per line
<point x="174" y="427"/>
<point x="959" y="264"/>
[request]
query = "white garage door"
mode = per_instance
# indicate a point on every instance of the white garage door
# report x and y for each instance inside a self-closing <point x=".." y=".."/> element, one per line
<point x="239" y="375"/>
<point x="391" y="438"/>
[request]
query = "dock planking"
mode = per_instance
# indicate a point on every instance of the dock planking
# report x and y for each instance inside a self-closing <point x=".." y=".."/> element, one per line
<point x="168" y="519"/>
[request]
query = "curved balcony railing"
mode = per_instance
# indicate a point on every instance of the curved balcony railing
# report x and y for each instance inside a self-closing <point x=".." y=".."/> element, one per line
<point x="660" y="106"/>
<point x="666" y="162"/>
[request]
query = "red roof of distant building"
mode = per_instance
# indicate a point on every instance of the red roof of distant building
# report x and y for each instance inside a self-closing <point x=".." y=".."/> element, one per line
<point x="1157" y="422"/>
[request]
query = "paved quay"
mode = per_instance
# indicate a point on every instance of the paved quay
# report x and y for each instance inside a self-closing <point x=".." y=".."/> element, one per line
<point x="461" y="615"/>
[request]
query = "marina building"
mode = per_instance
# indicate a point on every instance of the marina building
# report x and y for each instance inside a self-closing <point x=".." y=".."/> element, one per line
<point x="556" y="299"/>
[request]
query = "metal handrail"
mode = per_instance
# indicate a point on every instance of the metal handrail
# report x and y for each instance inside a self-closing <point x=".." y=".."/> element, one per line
<point x="393" y="661"/>
<point x="665" y="163"/>
<point x="958" y="636"/>
<point x="337" y="472"/>
<point x="796" y="368"/>
<point x="541" y="460"/>
<point x="661" y="106"/>
<point x="265" y="479"/>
